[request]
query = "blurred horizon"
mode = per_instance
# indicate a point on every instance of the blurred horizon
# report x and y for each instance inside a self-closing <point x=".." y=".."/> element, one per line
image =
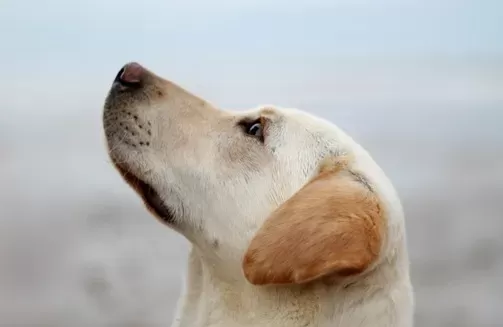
<point x="417" y="83"/>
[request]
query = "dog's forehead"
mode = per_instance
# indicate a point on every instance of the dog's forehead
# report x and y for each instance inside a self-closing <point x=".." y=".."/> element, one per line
<point x="306" y="129"/>
<point x="309" y="122"/>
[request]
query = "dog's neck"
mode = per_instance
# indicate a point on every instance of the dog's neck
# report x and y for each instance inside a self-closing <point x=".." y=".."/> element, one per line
<point x="379" y="299"/>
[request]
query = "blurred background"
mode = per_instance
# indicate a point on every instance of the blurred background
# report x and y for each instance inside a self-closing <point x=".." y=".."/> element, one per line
<point x="418" y="82"/>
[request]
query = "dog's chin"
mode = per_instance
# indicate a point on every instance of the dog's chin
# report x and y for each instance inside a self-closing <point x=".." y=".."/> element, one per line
<point x="149" y="195"/>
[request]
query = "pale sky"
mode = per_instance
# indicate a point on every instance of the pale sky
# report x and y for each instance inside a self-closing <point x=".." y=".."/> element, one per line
<point x="96" y="32"/>
<point x="59" y="56"/>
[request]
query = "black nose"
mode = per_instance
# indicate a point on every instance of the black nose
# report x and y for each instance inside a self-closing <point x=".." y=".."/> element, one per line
<point x="130" y="75"/>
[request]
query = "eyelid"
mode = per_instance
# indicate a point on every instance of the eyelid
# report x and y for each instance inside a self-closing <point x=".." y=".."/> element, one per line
<point x="248" y="122"/>
<point x="264" y="122"/>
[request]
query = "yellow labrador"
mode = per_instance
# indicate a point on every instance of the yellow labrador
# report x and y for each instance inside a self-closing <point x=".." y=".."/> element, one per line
<point x="291" y="221"/>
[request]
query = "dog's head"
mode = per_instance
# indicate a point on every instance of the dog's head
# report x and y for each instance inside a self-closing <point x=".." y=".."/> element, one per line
<point x="278" y="194"/>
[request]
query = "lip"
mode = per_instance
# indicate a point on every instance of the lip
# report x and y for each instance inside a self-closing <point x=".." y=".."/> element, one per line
<point x="149" y="195"/>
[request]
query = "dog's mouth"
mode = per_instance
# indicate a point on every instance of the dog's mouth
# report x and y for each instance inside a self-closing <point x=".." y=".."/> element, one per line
<point x="149" y="195"/>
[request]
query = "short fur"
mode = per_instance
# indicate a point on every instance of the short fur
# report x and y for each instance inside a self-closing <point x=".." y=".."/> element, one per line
<point x="332" y="226"/>
<point x="299" y="227"/>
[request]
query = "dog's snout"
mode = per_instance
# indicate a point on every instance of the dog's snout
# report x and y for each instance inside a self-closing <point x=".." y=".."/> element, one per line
<point x="131" y="75"/>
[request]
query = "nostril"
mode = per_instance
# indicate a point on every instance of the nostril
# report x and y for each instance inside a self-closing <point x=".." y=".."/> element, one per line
<point x="130" y="75"/>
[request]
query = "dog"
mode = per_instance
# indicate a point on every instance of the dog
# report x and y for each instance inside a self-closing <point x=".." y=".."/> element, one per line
<point x="291" y="221"/>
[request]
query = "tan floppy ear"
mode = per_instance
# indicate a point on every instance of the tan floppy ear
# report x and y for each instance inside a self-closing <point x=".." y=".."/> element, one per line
<point x="333" y="226"/>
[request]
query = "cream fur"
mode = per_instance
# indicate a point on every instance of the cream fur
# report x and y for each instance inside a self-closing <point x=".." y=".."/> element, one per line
<point x="221" y="186"/>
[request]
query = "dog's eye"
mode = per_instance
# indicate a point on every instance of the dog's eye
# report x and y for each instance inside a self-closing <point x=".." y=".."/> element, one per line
<point x="254" y="128"/>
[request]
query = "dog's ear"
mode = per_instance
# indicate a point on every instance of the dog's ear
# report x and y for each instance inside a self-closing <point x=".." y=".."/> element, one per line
<point x="333" y="226"/>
